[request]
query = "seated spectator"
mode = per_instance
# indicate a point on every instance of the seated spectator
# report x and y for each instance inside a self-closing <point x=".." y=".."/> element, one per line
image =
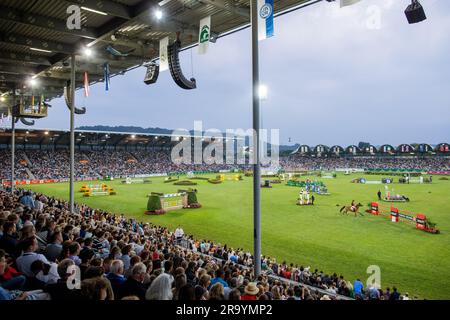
<point x="10" y="279"/>
<point x="134" y="285"/>
<point x="23" y="295"/>
<point x="395" y="294"/>
<point x="126" y="256"/>
<point x="186" y="293"/>
<point x="358" y="288"/>
<point x="27" y="200"/>
<point x="219" y="279"/>
<point x="67" y="286"/>
<point x="86" y="256"/>
<point x="115" y="276"/>
<point x="28" y="256"/>
<point x="46" y="273"/>
<point x="250" y="292"/>
<point x="180" y="281"/>
<point x="9" y="239"/>
<point x="54" y="248"/>
<point x="234" y="294"/>
<point x="96" y="289"/>
<point x="74" y="251"/>
<point x="93" y="272"/>
<point x="216" y="293"/>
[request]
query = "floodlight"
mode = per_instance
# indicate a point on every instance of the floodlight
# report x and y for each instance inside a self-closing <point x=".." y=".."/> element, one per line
<point x="87" y="52"/>
<point x="32" y="82"/>
<point x="158" y="14"/>
<point x="262" y="92"/>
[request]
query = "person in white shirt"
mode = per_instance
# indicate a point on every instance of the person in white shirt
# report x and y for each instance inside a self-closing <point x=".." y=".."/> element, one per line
<point x="179" y="233"/>
<point x="28" y="256"/>
<point x="47" y="273"/>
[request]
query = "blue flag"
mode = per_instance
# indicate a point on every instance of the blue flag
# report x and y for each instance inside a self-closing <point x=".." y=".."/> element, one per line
<point x="265" y="19"/>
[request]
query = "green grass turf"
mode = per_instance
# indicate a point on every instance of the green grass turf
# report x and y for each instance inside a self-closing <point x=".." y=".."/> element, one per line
<point x="316" y="236"/>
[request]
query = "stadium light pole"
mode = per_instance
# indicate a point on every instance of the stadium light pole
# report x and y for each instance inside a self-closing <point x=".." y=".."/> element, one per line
<point x="13" y="143"/>
<point x="72" y="132"/>
<point x="256" y="138"/>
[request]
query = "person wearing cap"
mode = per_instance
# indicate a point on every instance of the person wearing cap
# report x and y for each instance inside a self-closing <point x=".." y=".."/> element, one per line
<point x="250" y="292"/>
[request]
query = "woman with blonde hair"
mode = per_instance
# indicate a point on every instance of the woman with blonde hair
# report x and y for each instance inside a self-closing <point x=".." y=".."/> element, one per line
<point x="276" y="293"/>
<point x="216" y="292"/>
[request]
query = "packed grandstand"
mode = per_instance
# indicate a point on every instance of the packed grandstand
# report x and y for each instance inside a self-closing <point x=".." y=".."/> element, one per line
<point x="42" y="155"/>
<point x="120" y="258"/>
<point x="41" y="240"/>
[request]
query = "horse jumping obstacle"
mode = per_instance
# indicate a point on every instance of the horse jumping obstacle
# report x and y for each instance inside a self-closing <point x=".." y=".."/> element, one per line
<point x="97" y="190"/>
<point x="421" y="221"/>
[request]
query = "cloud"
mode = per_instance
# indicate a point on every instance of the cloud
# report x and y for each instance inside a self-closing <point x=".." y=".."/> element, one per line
<point x="333" y="78"/>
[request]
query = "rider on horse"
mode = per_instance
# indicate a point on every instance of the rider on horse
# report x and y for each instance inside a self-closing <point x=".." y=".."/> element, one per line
<point x="353" y="206"/>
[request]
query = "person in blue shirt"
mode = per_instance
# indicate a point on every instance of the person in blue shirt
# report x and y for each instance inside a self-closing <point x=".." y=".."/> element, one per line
<point x="219" y="279"/>
<point x="358" y="287"/>
<point x="116" y="277"/>
<point x="27" y="200"/>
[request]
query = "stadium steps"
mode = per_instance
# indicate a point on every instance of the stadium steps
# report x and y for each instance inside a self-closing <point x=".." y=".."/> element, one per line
<point x="29" y="163"/>
<point x="134" y="157"/>
<point x="30" y="174"/>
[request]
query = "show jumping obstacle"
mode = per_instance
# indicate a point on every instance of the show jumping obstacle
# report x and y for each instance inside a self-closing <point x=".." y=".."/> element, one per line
<point x="304" y="198"/>
<point x="395" y="215"/>
<point x="97" y="190"/>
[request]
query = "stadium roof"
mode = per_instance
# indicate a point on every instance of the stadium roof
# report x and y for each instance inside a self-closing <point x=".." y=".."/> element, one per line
<point x="36" y="42"/>
<point x="94" y="138"/>
<point x="61" y="138"/>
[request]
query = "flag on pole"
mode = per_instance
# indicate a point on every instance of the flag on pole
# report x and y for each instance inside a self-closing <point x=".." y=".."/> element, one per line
<point x="345" y="3"/>
<point x="163" y="55"/>
<point x="86" y="84"/>
<point x="106" y="75"/>
<point x="265" y="19"/>
<point x="204" y="35"/>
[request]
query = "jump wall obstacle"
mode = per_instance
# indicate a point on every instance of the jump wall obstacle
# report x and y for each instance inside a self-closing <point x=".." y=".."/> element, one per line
<point x="395" y="215"/>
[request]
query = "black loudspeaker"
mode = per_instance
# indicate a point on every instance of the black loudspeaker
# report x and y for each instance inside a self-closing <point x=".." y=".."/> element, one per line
<point x="175" y="67"/>
<point x="415" y="13"/>
<point x="152" y="74"/>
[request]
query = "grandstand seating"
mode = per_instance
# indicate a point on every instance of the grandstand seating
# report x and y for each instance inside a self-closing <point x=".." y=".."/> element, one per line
<point x="120" y="257"/>
<point x="54" y="164"/>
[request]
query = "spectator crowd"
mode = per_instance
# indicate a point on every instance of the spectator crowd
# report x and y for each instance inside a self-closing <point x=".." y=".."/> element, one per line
<point x="49" y="253"/>
<point x="54" y="164"/>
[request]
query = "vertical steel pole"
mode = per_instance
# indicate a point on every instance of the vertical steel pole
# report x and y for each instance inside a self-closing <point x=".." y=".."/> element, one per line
<point x="13" y="147"/>
<point x="256" y="143"/>
<point x="72" y="132"/>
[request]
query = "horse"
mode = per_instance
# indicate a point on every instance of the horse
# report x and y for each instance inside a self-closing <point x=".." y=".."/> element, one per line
<point x="355" y="209"/>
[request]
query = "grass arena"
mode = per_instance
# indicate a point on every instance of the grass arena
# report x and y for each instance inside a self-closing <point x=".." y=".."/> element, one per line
<point x="310" y="235"/>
